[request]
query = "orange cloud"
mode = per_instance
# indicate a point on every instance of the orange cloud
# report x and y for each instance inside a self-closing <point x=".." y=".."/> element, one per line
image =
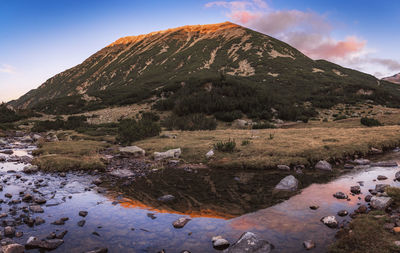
<point x="243" y="17"/>
<point x="336" y="49"/>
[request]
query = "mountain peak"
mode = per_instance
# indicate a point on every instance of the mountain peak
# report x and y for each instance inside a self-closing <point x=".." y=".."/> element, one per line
<point x="393" y="79"/>
<point x="202" y="29"/>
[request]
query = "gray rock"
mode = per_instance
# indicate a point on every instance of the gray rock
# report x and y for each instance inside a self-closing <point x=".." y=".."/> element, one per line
<point x="219" y="242"/>
<point x="9" y="231"/>
<point x="355" y="189"/>
<point x="283" y="167"/>
<point x="36" y="209"/>
<point x="210" y="154"/>
<point x="133" y="150"/>
<point x="362" y="161"/>
<point x="30" y="169"/>
<point x="368" y="198"/>
<point x="181" y="222"/>
<point x="342" y="213"/>
<point x="166" y="198"/>
<point x="381" y="177"/>
<point x="289" y="183"/>
<point x="309" y="244"/>
<point x="172" y="153"/>
<point x="83" y="213"/>
<point x="13" y="248"/>
<point x="380" y="203"/>
<point x="385" y="164"/>
<point x="330" y="221"/>
<point x="348" y="166"/>
<point x="323" y="165"/>
<point x="240" y="123"/>
<point x="340" y="195"/>
<point x="397" y="175"/>
<point x="250" y="243"/>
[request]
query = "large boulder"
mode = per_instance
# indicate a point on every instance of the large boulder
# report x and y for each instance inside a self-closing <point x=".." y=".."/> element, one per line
<point x="249" y="242"/>
<point x="323" y="165"/>
<point x="380" y="203"/>
<point x="289" y="183"/>
<point x="172" y="153"/>
<point x="132" y="150"/>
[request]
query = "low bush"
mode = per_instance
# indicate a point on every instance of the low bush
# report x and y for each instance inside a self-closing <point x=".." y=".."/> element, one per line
<point x="130" y="130"/>
<point x="228" y="146"/>
<point x="190" y="122"/>
<point x="370" y="122"/>
<point x="228" y="116"/>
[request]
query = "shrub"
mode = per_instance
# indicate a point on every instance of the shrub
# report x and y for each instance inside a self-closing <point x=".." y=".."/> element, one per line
<point x="245" y="142"/>
<point x="190" y="122"/>
<point x="228" y="146"/>
<point x="370" y="122"/>
<point x="228" y="116"/>
<point x="130" y="130"/>
<point x="340" y="117"/>
<point x="150" y="116"/>
<point x="265" y="125"/>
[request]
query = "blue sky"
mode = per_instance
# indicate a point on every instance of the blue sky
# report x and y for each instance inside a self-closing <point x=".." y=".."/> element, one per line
<point x="41" y="38"/>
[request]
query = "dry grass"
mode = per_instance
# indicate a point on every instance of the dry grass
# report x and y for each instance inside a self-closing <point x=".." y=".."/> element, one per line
<point x="70" y="155"/>
<point x="271" y="147"/>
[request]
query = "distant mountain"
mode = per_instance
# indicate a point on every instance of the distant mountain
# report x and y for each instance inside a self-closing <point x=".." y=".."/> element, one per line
<point x="206" y="68"/>
<point x="393" y="79"/>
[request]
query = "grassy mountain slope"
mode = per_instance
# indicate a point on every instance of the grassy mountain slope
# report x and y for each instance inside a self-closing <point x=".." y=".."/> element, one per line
<point x="208" y="69"/>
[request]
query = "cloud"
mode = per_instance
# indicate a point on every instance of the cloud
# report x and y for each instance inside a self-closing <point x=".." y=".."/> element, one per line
<point x="5" y="68"/>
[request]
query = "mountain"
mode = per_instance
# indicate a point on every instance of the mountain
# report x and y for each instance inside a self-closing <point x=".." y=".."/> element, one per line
<point x="217" y="68"/>
<point x="393" y="79"/>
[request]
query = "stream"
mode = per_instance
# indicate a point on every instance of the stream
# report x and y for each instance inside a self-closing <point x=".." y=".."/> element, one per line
<point x="218" y="203"/>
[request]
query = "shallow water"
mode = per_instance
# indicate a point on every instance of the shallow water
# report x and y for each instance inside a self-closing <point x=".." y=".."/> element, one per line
<point x="226" y="206"/>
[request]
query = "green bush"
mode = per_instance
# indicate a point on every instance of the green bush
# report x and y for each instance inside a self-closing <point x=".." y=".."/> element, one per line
<point x="228" y="116"/>
<point x="265" y="125"/>
<point x="8" y="115"/>
<point x="190" y="122"/>
<point x="150" y="116"/>
<point x="228" y="146"/>
<point x="130" y="130"/>
<point x="370" y="122"/>
<point x="245" y="142"/>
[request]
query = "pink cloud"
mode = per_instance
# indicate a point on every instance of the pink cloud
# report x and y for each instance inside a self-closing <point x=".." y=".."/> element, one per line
<point x="243" y="17"/>
<point x="337" y="49"/>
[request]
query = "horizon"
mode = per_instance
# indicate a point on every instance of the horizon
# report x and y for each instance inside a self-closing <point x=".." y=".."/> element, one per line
<point x="63" y="35"/>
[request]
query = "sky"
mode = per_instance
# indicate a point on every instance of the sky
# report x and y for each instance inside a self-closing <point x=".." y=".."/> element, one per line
<point x="41" y="38"/>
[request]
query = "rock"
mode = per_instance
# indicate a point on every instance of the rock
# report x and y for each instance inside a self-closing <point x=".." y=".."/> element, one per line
<point x="388" y="226"/>
<point x="9" y="231"/>
<point x="355" y="189"/>
<point x="342" y="213"/>
<point x="30" y="169"/>
<point x="39" y="201"/>
<point x="172" y="153"/>
<point x="330" y="221"/>
<point x="27" y="197"/>
<point x="166" y="198"/>
<point x="26" y="138"/>
<point x="314" y="207"/>
<point x="83" y="213"/>
<point x="39" y="221"/>
<point x="13" y="248"/>
<point x="240" y="123"/>
<point x="362" y="161"/>
<point x="219" y="243"/>
<point x="348" y="166"/>
<point x="375" y="151"/>
<point x="249" y="242"/>
<point x="385" y="164"/>
<point x="289" y="183"/>
<point x="210" y="154"/>
<point x="381" y="187"/>
<point x="283" y="167"/>
<point x="380" y="203"/>
<point x="340" y="195"/>
<point x="8" y="195"/>
<point x="133" y="150"/>
<point x="7" y="151"/>
<point x="81" y="223"/>
<point x="397" y="175"/>
<point x="97" y="181"/>
<point x="181" y="222"/>
<point x="362" y="209"/>
<point x="309" y="244"/>
<point x="323" y="165"/>
<point x="36" y="137"/>
<point x="381" y="177"/>
<point x="51" y="244"/>
<point x="60" y="221"/>
<point x="36" y="209"/>
<point x="368" y="198"/>
<point x="98" y="250"/>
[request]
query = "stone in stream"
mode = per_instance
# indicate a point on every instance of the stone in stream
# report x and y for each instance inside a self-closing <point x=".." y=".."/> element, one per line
<point x="397" y="175"/>
<point x="181" y="222"/>
<point x="27" y="197"/>
<point x="348" y="166"/>
<point x="83" y="213"/>
<point x="8" y="195"/>
<point x="362" y="161"/>
<point x="368" y="198"/>
<point x="9" y="231"/>
<point x="362" y="209"/>
<point x="81" y="223"/>
<point x="380" y="203"/>
<point x="330" y="221"/>
<point x="60" y="221"/>
<point x="342" y="213"/>
<point x="314" y="207"/>
<point x="309" y="244"/>
<point x="13" y="248"/>
<point x="48" y="244"/>
<point x="249" y="242"/>
<point x="36" y="209"/>
<point x="39" y="221"/>
<point x="39" y="200"/>
<point x="340" y="195"/>
<point x="219" y="243"/>
<point x="381" y="187"/>
<point x="166" y="198"/>
<point x="289" y="183"/>
<point x="7" y="151"/>
<point x="98" y="250"/>
<point x="355" y="189"/>
<point x="385" y="164"/>
<point x="381" y="177"/>
<point x="323" y="165"/>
